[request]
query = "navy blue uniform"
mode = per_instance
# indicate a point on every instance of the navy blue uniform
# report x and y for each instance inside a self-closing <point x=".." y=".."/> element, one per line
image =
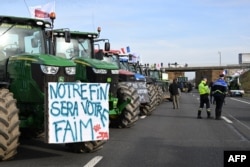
<point x="219" y="90"/>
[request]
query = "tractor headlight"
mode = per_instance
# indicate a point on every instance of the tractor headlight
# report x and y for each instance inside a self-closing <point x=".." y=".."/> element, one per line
<point x="70" y="70"/>
<point x="99" y="71"/>
<point x="49" y="69"/>
<point x="115" y="71"/>
<point x="39" y="23"/>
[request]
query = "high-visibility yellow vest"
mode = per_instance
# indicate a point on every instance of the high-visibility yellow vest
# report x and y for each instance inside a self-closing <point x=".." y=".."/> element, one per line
<point x="203" y="88"/>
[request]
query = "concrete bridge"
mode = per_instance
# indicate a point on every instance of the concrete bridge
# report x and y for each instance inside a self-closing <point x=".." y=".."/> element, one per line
<point x="194" y="69"/>
<point x="211" y="72"/>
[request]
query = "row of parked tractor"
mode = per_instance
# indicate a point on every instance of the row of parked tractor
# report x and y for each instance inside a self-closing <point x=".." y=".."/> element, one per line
<point x="32" y="54"/>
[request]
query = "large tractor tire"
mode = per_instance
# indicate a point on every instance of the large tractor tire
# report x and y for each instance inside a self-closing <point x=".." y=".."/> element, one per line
<point x="159" y="98"/>
<point x="153" y="99"/>
<point x="9" y="125"/>
<point x="130" y="113"/>
<point x="85" y="147"/>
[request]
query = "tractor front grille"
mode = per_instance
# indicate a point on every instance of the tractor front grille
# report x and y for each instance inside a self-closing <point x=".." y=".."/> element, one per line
<point x="42" y="79"/>
<point x="104" y="78"/>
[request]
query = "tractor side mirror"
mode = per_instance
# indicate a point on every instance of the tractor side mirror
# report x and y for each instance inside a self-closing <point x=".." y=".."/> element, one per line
<point x="99" y="54"/>
<point x="34" y="42"/>
<point x="107" y="46"/>
<point x="67" y="36"/>
<point x="130" y="57"/>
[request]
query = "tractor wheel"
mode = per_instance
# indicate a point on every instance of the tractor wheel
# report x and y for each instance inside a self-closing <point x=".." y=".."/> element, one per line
<point x="144" y="109"/>
<point x="85" y="147"/>
<point x="152" y="95"/>
<point x="9" y="125"/>
<point x="159" y="97"/>
<point x="130" y="113"/>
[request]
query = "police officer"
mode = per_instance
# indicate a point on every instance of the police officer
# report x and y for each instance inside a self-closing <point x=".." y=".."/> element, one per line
<point x="219" y="90"/>
<point x="204" y="92"/>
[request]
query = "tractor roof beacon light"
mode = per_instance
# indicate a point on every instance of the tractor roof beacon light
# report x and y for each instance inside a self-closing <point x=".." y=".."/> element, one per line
<point x="52" y="17"/>
<point x="99" y="31"/>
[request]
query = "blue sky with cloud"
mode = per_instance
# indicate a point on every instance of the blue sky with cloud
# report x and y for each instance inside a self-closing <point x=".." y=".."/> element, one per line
<point x="186" y="31"/>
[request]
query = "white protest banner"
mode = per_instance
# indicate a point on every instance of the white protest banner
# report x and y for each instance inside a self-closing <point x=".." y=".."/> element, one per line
<point x="78" y="112"/>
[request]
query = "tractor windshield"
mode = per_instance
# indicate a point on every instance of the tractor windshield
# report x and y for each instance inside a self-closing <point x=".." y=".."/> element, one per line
<point x="182" y="79"/>
<point x="154" y="74"/>
<point x="132" y="68"/>
<point x="75" y="48"/>
<point x="124" y="66"/>
<point x="20" y="39"/>
<point x="112" y="59"/>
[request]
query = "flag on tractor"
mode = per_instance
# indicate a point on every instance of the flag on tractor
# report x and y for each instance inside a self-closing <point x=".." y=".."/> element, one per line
<point x="123" y="51"/>
<point x="128" y="49"/>
<point x="42" y="11"/>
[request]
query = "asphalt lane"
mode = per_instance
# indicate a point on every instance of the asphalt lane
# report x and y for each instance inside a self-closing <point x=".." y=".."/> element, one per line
<point x="175" y="138"/>
<point x="168" y="137"/>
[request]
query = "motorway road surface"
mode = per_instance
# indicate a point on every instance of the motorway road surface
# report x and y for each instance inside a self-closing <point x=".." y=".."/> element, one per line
<point x="167" y="138"/>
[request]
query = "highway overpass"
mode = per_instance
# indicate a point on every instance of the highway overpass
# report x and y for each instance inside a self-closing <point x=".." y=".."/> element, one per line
<point x="211" y="72"/>
<point x="194" y="69"/>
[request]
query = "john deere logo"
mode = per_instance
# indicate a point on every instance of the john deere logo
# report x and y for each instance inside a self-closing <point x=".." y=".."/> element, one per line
<point x="61" y="79"/>
<point x="109" y="79"/>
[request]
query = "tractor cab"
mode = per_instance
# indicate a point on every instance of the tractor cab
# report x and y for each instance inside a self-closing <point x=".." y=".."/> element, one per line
<point x="25" y="71"/>
<point x="91" y="67"/>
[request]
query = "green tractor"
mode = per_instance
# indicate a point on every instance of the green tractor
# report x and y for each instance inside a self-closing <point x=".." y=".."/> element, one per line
<point x="79" y="46"/>
<point x="129" y="78"/>
<point x="184" y="84"/>
<point x="160" y="78"/>
<point x="25" y="70"/>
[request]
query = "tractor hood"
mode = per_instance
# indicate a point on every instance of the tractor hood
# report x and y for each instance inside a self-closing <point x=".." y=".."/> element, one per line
<point x="44" y="59"/>
<point x="98" y="64"/>
<point x="139" y="76"/>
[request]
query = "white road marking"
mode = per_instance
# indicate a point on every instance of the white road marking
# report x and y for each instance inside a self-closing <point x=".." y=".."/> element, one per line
<point x="226" y="119"/>
<point x="240" y="100"/>
<point x="93" y="161"/>
<point x="240" y="122"/>
<point x="237" y="132"/>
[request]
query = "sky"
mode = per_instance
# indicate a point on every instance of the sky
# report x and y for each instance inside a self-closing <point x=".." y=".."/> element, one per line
<point x="196" y="32"/>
